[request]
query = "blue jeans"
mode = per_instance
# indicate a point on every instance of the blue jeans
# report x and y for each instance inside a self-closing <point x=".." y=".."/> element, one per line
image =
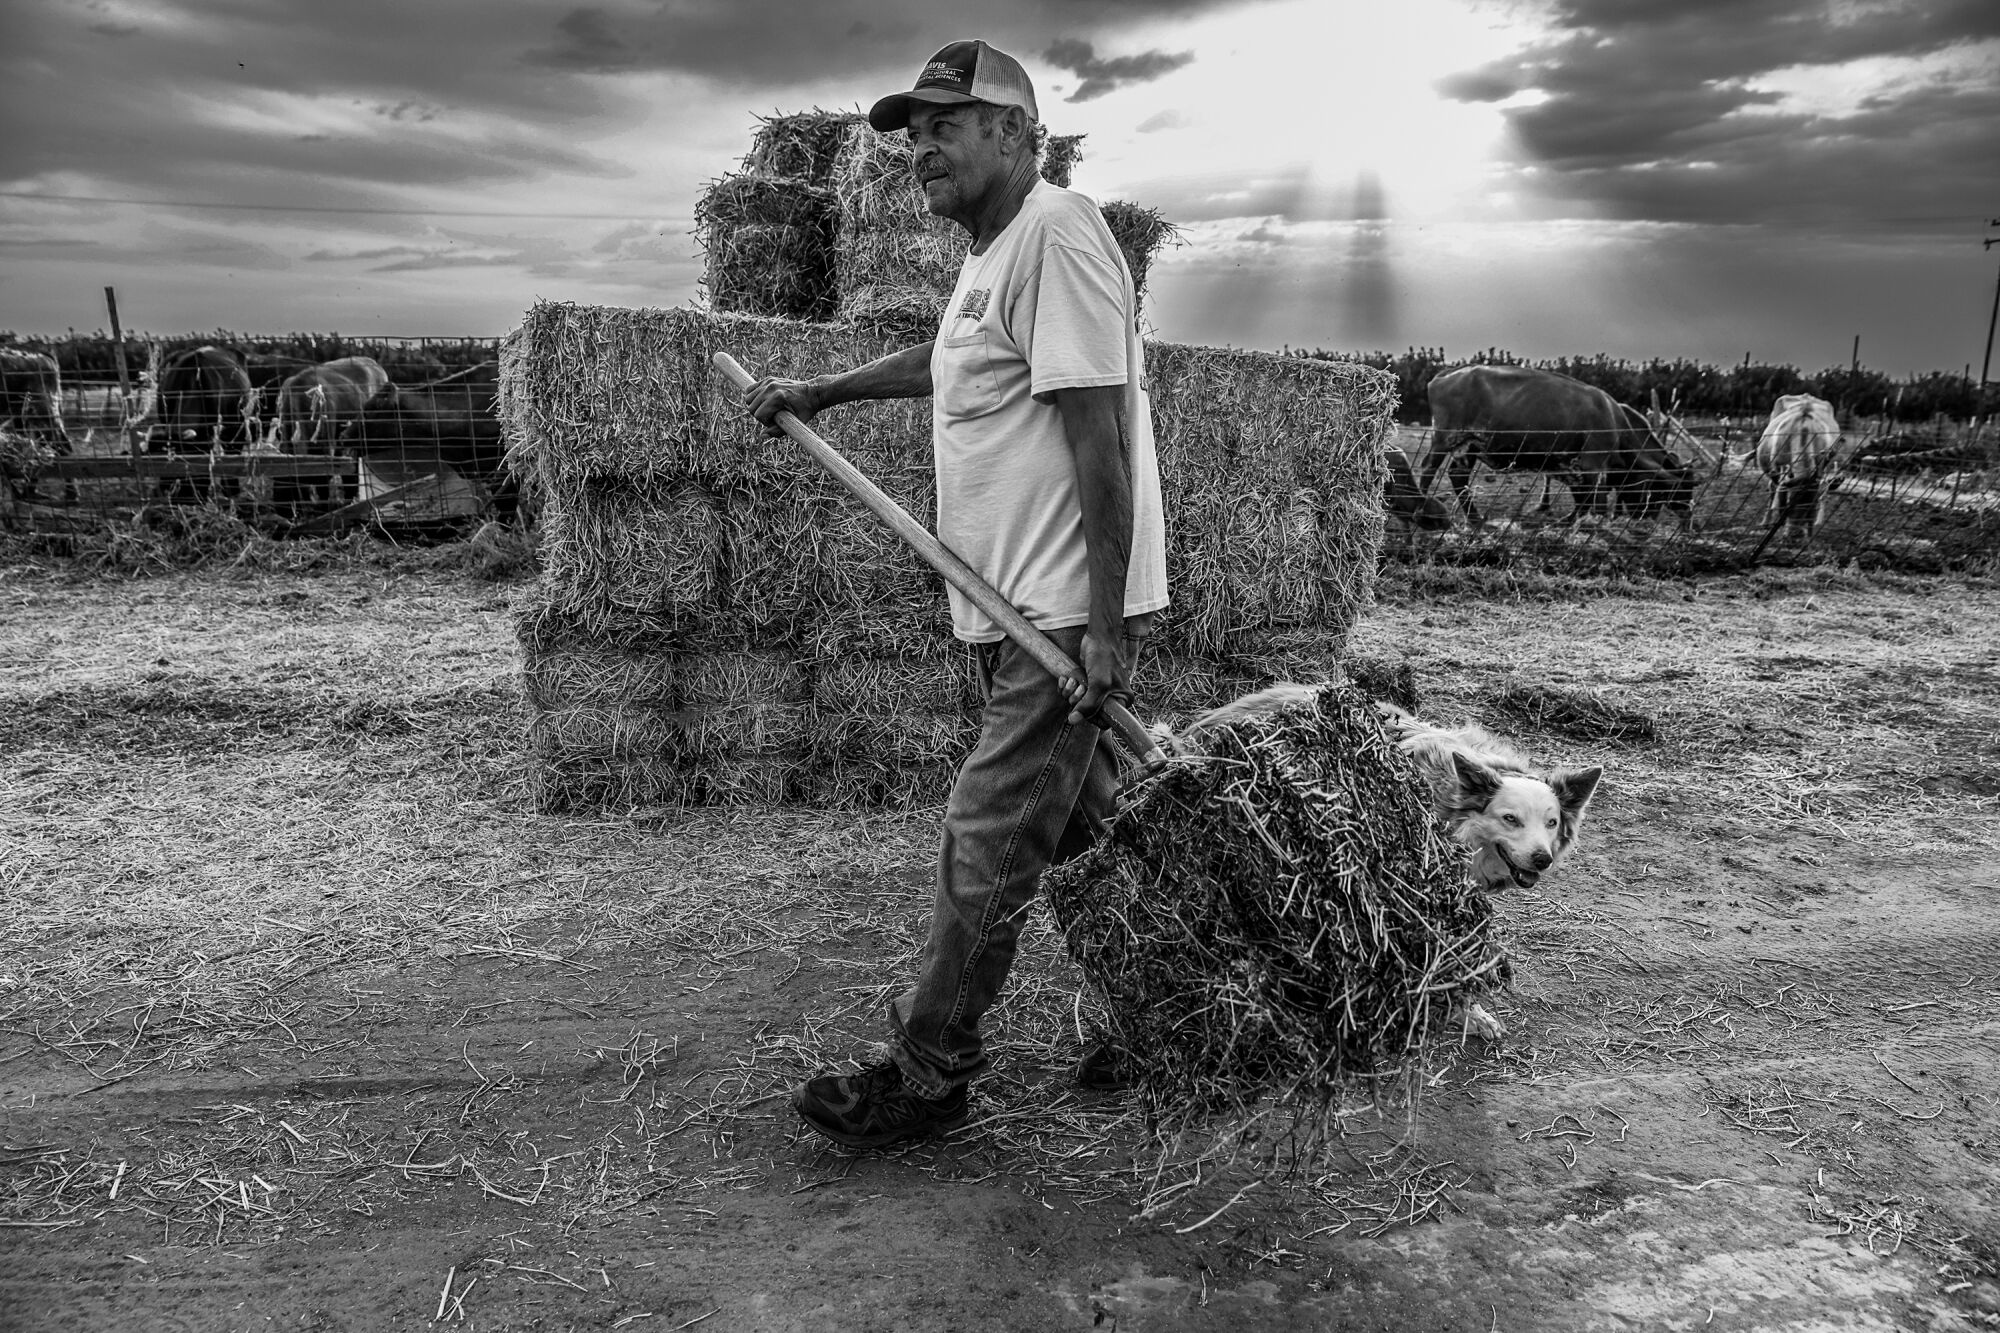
<point x="1034" y="792"/>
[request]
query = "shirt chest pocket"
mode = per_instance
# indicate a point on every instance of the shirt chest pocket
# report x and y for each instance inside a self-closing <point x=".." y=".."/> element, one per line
<point x="968" y="384"/>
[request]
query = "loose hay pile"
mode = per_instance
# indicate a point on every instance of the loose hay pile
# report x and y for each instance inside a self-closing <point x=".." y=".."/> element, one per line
<point x="718" y="621"/>
<point x="1278" y="919"/>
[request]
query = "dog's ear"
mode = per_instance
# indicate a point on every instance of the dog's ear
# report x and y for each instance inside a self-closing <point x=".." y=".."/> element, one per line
<point x="1475" y="779"/>
<point x="1574" y="787"/>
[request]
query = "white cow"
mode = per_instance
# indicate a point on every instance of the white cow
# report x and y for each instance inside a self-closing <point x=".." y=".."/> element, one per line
<point x="1800" y="453"/>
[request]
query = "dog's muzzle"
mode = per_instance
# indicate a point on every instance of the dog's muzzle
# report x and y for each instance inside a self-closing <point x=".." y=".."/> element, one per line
<point x="1521" y="875"/>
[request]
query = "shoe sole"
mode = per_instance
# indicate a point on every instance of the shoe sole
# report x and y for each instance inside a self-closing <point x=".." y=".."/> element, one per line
<point x="930" y="1129"/>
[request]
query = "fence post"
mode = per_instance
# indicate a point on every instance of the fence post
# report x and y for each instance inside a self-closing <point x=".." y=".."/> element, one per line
<point x="124" y="376"/>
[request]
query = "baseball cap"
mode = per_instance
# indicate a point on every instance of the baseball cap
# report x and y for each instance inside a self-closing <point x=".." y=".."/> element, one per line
<point x="961" y="72"/>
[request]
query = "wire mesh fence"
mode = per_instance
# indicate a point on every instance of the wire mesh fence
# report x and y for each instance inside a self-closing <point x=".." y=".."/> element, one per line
<point x="320" y="434"/>
<point x="300" y="434"/>
<point x="1923" y="499"/>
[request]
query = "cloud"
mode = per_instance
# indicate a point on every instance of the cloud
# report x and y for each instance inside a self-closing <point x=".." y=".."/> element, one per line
<point x="782" y="41"/>
<point x="1101" y="75"/>
<point x="1705" y="110"/>
<point x="1164" y="120"/>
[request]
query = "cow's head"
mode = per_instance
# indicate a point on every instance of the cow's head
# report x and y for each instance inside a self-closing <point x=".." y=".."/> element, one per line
<point x="1656" y="483"/>
<point x="1403" y="499"/>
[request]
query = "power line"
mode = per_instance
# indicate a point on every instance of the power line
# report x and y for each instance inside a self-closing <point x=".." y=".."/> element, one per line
<point x="322" y="208"/>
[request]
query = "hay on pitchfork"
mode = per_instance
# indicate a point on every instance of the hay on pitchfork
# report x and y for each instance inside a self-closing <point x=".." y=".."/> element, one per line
<point x="1278" y="919"/>
<point x="768" y="247"/>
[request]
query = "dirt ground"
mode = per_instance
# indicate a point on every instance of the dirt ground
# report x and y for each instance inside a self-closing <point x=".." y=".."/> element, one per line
<point x="307" y="1021"/>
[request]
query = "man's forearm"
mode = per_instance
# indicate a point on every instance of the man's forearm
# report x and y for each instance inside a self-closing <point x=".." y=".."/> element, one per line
<point x="1104" y="493"/>
<point x="904" y="374"/>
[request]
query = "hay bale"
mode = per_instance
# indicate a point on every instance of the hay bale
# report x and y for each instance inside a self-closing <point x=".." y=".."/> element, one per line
<point x="1140" y="232"/>
<point x="594" y="393"/>
<point x="1059" y="158"/>
<point x="674" y="530"/>
<point x="653" y="549"/>
<point x="936" y="678"/>
<point x="892" y="256"/>
<point x="767" y="247"/>
<point x="802" y="146"/>
<point x="1278" y="919"/>
<point x="896" y="262"/>
<point x="1272" y="472"/>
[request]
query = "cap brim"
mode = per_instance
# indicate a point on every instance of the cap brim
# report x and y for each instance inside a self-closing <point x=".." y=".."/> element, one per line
<point x="893" y="112"/>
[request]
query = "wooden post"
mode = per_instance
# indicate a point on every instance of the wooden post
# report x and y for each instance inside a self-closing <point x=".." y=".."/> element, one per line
<point x="124" y="375"/>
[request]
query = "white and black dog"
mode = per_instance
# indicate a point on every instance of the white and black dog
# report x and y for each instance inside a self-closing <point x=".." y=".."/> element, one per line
<point x="1517" y="820"/>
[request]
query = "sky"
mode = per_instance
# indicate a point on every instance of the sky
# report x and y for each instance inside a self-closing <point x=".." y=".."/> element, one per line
<point x="1677" y="178"/>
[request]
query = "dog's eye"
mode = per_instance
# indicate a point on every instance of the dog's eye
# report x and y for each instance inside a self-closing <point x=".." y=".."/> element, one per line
<point x="1515" y="820"/>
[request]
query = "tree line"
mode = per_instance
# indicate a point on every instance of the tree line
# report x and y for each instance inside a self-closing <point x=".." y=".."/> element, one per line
<point x="1695" y="388"/>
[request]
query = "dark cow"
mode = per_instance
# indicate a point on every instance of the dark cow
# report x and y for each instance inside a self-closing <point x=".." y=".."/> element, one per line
<point x="1408" y="502"/>
<point x="1652" y="481"/>
<point x="268" y="372"/>
<point x="31" y="397"/>
<point x="1513" y="418"/>
<point x="205" y="401"/>
<point x="453" y="423"/>
<point x="319" y="403"/>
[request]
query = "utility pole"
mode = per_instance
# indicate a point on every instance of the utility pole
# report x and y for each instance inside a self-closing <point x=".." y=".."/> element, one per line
<point x="1986" y="362"/>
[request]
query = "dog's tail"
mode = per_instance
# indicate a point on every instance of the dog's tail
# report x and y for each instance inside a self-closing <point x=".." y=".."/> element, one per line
<point x="1192" y="740"/>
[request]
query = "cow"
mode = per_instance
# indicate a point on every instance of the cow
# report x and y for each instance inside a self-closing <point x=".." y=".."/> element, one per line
<point x="31" y="397"/>
<point x="453" y="423"/>
<point x="1799" y="452"/>
<point x="268" y="372"/>
<point x="31" y="408"/>
<point x="1513" y="418"/>
<point x="1651" y="481"/>
<point x="205" y="401"/>
<point x="1404" y="500"/>
<point x="319" y="403"/>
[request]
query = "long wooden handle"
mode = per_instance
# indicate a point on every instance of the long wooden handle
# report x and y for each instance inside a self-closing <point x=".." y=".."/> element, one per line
<point x="956" y="572"/>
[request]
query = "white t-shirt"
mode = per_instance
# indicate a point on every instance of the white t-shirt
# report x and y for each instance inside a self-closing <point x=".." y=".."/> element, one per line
<point x="1048" y="306"/>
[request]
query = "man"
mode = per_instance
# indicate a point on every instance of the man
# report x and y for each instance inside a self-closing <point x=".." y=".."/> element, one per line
<point x="1047" y="485"/>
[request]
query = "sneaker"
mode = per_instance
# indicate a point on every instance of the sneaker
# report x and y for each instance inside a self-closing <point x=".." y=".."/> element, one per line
<point x="1103" y="1069"/>
<point x="872" y="1108"/>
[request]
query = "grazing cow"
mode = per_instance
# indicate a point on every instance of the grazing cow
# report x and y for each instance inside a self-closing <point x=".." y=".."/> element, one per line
<point x="204" y="404"/>
<point x="31" y="397"/>
<point x="205" y="401"/>
<point x="1800" y="453"/>
<point x="1650" y="481"/>
<point x="1513" y="418"/>
<point x="320" y="402"/>
<point x="453" y="423"/>
<point x="1404" y="500"/>
<point x="268" y="372"/>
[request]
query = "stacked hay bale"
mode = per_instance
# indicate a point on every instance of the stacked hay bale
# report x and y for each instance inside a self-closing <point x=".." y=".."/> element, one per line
<point x="837" y="227"/>
<point x="717" y="621"/>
